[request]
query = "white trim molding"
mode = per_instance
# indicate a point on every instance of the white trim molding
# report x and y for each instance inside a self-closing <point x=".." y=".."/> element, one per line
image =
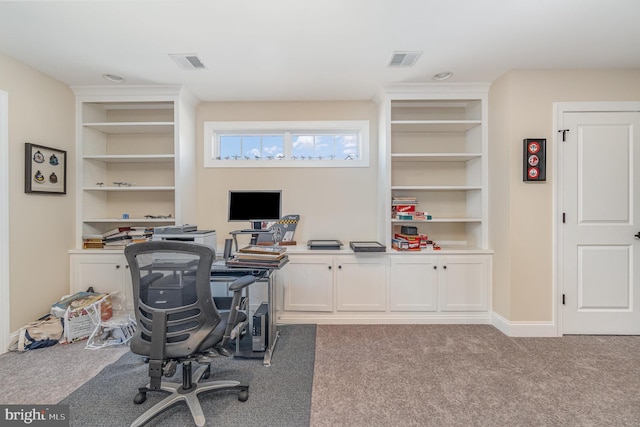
<point x="381" y="318"/>
<point x="4" y="223"/>
<point x="524" y="328"/>
<point x="509" y="328"/>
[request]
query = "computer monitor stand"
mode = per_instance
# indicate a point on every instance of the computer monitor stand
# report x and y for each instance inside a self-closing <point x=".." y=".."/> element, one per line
<point x="255" y="230"/>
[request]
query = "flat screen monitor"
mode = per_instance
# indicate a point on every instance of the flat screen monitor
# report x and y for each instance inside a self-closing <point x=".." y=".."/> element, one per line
<point x="255" y="206"/>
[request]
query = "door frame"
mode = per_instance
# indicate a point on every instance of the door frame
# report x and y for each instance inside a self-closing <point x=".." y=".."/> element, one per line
<point x="5" y="305"/>
<point x="559" y="109"/>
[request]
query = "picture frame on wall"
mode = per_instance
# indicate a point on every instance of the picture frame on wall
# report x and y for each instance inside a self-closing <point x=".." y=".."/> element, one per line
<point x="45" y="169"/>
<point x="535" y="160"/>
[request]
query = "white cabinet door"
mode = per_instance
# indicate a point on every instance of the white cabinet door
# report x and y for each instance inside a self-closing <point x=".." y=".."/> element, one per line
<point x="104" y="272"/>
<point x="414" y="284"/>
<point x="361" y="283"/>
<point x="127" y="285"/>
<point x="463" y="283"/>
<point x="308" y="283"/>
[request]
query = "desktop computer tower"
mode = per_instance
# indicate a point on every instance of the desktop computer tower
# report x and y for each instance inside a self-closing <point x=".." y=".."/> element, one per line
<point x="260" y="329"/>
<point x="169" y="291"/>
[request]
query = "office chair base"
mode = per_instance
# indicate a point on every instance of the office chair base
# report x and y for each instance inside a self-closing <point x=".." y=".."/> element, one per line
<point x="190" y="396"/>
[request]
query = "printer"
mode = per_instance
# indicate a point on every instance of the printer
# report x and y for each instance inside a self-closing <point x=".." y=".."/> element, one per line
<point x="186" y="233"/>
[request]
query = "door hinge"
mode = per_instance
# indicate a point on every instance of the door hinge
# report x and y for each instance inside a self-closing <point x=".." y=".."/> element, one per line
<point x="564" y="217"/>
<point x="563" y="301"/>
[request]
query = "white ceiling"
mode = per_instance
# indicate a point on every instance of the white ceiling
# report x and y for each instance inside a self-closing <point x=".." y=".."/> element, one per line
<point x="314" y="50"/>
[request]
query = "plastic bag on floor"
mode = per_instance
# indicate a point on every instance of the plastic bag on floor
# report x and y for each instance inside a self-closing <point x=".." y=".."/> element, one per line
<point x="111" y="333"/>
<point x="117" y="329"/>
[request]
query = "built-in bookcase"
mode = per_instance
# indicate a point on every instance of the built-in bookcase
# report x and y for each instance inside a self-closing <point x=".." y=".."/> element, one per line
<point x="135" y="158"/>
<point x="433" y="148"/>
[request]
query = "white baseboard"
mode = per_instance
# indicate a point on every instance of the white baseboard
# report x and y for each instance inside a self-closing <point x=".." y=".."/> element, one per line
<point x="5" y="320"/>
<point x="382" y="319"/>
<point x="507" y="327"/>
<point x="524" y="328"/>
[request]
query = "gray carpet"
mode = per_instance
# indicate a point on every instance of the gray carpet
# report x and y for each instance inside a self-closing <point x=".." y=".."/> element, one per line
<point x="46" y="375"/>
<point x="472" y="375"/>
<point x="280" y="394"/>
<point x="366" y="375"/>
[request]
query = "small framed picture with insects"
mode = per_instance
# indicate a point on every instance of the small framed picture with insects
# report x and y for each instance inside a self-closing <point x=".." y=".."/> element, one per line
<point x="45" y="169"/>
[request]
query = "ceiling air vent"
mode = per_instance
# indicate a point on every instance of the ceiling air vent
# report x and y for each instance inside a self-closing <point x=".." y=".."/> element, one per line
<point x="404" y="59"/>
<point x="189" y="61"/>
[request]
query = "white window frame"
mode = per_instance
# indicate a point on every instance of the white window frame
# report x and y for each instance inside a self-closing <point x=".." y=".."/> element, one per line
<point x="213" y="129"/>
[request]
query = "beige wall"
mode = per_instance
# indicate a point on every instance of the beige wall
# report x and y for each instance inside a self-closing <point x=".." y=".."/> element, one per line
<point x="41" y="111"/>
<point x="521" y="106"/>
<point x="334" y="203"/>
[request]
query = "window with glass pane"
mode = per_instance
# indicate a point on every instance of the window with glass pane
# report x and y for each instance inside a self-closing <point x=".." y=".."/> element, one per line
<point x="347" y="146"/>
<point x="273" y="146"/>
<point x="230" y="147"/>
<point x="236" y="147"/>
<point x="325" y="147"/>
<point x="287" y="144"/>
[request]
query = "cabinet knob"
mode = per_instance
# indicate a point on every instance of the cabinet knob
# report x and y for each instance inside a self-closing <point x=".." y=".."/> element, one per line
<point x="117" y="265"/>
<point x="339" y="267"/>
<point x="444" y="266"/>
<point x="329" y="267"/>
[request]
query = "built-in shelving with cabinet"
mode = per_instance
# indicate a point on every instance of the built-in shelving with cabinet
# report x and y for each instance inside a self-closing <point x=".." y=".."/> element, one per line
<point x="135" y="157"/>
<point x="433" y="147"/>
<point x="432" y="144"/>
<point x="340" y="286"/>
<point x="135" y="166"/>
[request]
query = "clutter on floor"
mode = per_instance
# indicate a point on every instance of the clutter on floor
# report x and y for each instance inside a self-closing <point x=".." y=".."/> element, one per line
<point x="44" y="332"/>
<point x="101" y="319"/>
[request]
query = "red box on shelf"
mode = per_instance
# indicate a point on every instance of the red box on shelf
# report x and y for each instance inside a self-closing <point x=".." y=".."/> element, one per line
<point x="412" y="241"/>
<point x="405" y="208"/>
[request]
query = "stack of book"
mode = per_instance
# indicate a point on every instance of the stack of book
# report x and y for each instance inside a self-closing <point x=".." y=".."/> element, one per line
<point x="257" y="256"/>
<point x="405" y="209"/>
<point x="120" y="237"/>
<point x="413" y="242"/>
<point x="404" y="204"/>
<point x="117" y="238"/>
<point x="92" y="241"/>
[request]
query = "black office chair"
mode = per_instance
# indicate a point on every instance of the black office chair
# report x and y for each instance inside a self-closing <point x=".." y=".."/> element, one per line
<point x="178" y="322"/>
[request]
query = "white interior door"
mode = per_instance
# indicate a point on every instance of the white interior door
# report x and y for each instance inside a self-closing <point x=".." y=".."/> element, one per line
<point x="601" y="207"/>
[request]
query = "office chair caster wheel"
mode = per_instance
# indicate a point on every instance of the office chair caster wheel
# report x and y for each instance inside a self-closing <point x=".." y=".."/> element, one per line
<point x="243" y="396"/>
<point x="140" y="398"/>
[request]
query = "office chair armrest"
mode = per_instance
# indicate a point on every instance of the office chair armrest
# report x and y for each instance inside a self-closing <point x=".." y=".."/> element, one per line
<point x="242" y="283"/>
<point x="237" y="286"/>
